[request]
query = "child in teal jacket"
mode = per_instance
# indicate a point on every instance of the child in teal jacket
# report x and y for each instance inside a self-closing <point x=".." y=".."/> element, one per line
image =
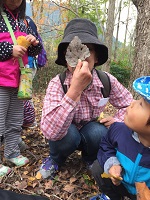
<point x="124" y="153"/>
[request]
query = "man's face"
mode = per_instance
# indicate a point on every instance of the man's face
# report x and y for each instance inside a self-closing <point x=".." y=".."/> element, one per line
<point x="92" y="59"/>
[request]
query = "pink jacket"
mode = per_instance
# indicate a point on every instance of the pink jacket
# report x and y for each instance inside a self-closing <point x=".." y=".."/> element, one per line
<point x="9" y="65"/>
<point x="9" y="69"/>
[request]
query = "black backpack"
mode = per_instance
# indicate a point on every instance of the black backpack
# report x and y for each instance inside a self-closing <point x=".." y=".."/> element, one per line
<point x="102" y="76"/>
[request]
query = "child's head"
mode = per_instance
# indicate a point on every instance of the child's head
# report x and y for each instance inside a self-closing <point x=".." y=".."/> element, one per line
<point x="87" y="33"/>
<point x="15" y="6"/>
<point x="137" y="116"/>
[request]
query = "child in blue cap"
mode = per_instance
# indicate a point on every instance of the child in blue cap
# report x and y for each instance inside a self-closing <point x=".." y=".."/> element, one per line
<point x="124" y="153"/>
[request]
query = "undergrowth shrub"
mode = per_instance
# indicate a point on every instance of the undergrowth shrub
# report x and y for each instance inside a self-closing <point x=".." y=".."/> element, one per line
<point x="45" y="74"/>
<point x="121" y="72"/>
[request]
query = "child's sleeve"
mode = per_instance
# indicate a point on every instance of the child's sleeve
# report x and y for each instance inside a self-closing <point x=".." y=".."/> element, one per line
<point x="107" y="151"/>
<point x="34" y="50"/>
<point x="6" y="50"/>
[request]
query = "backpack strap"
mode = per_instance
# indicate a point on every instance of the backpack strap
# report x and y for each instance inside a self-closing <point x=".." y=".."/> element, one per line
<point x="106" y="83"/>
<point x="102" y="76"/>
<point x="62" y="77"/>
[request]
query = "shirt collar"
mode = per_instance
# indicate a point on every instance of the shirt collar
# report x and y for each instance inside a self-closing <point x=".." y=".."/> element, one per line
<point x="135" y="136"/>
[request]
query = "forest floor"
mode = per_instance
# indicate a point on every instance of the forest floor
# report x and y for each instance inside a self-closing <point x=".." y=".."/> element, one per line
<point x="73" y="181"/>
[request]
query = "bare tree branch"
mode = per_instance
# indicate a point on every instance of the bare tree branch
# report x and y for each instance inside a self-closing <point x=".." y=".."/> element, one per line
<point x="66" y="8"/>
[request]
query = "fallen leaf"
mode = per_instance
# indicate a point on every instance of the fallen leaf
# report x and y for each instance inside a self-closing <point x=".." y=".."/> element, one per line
<point x="143" y="192"/>
<point x="25" y="172"/>
<point x="76" y="50"/>
<point x="69" y="188"/>
<point x="49" y="185"/>
<point x="72" y="180"/>
<point x="31" y="179"/>
<point x="21" y="185"/>
<point x="104" y="175"/>
<point x="38" y="176"/>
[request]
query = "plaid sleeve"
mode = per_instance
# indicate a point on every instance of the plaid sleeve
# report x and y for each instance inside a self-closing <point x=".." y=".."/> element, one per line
<point x="58" y="111"/>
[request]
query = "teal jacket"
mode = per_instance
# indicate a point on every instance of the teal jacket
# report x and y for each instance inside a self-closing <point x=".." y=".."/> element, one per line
<point x="121" y="145"/>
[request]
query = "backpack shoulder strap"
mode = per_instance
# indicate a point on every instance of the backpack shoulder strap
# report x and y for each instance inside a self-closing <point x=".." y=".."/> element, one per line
<point x="102" y="76"/>
<point x="106" y="83"/>
<point x="62" y="77"/>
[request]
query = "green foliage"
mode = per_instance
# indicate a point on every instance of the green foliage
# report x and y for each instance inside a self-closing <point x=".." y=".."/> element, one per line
<point x="125" y="55"/>
<point x="86" y="9"/>
<point x="121" y="67"/>
<point x="88" y="180"/>
<point x="45" y="74"/>
<point x="121" y="71"/>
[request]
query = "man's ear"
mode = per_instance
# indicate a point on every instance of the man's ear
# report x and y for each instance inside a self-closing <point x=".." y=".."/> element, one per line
<point x="96" y="56"/>
<point x="96" y="59"/>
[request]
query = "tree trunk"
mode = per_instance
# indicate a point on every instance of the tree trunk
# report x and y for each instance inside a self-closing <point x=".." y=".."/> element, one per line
<point x="141" y="65"/>
<point x="109" y="33"/>
<point x="118" y="23"/>
<point x="95" y="3"/>
<point x="127" y="22"/>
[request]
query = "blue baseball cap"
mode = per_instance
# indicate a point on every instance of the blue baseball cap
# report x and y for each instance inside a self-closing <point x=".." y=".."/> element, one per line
<point x="142" y="86"/>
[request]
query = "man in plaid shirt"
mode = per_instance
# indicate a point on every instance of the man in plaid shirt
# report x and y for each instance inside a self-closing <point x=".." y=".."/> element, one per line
<point x="69" y="120"/>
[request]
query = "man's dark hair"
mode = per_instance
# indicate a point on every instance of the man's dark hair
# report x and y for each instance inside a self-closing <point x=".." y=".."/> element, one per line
<point x="21" y="9"/>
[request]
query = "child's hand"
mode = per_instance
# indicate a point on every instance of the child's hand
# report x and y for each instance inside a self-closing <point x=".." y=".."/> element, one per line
<point x="18" y="51"/>
<point x="115" y="171"/>
<point x="32" y="40"/>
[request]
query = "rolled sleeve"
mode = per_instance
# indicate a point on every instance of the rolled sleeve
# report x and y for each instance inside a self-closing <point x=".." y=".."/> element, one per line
<point x="68" y="104"/>
<point x="109" y="163"/>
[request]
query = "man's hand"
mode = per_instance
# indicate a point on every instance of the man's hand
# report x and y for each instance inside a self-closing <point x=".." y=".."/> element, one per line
<point x="115" y="171"/>
<point x="82" y="77"/>
<point x="107" y="121"/>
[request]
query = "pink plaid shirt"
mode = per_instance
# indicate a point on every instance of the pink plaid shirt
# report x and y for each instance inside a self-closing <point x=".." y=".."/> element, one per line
<point x="59" y="111"/>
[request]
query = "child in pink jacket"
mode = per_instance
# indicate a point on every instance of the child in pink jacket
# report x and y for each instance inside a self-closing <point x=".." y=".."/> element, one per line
<point x="11" y="108"/>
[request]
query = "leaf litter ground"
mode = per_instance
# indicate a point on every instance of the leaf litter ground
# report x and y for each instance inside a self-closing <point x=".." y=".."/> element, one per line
<point x="73" y="181"/>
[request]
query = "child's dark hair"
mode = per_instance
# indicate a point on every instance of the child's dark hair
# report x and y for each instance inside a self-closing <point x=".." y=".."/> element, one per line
<point x="21" y="9"/>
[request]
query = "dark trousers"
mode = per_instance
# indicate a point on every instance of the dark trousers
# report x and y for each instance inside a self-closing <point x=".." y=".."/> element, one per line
<point x="106" y="186"/>
<point x="9" y="195"/>
<point x="78" y="139"/>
